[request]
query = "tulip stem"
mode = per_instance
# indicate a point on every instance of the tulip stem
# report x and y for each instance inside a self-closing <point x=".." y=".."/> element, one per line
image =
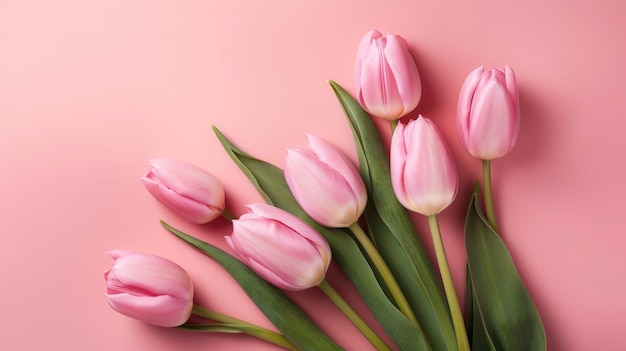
<point x="245" y="327"/>
<point x="393" y="123"/>
<point x="448" y="285"/>
<point x="385" y="273"/>
<point x="488" y="194"/>
<point x="358" y="322"/>
<point x="228" y="215"/>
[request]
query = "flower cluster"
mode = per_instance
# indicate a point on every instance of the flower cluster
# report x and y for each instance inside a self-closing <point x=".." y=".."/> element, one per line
<point x="321" y="206"/>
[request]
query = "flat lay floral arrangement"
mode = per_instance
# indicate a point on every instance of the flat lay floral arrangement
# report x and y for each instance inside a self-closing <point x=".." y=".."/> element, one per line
<point x="321" y="207"/>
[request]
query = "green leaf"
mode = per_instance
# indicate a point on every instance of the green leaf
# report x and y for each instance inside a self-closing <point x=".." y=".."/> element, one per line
<point x="292" y="322"/>
<point x="476" y="333"/>
<point x="270" y="182"/>
<point x="506" y="311"/>
<point x="393" y="231"/>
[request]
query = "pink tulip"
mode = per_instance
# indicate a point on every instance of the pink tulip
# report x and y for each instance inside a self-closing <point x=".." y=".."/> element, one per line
<point x="325" y="183"/>
<point x="423" y="173"/>
<point x="149" y="288"/>
<point x="280" y="247"/>
<point x="488" y="113"/>
<point x="387" y="81"/>
<point x="185" y="189"/>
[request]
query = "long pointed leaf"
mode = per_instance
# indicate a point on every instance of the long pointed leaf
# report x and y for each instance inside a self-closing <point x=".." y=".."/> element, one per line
<point x="509" y="316"/>
<point x="292" y="322"/>
<point x="270" y="182"/>
<point x="394" y="233"/>
<point x="475" y="326"/>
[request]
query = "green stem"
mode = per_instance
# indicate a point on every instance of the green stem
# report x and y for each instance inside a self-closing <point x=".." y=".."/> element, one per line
<point x="358" y="322"/>
<point x="248" y="328"/>
<point x="488" y="194"/>
<point x="393" y="124"/>
<point x="228" y="215"/>
<point x="448" y="285"/>
<point x="385" y="273"/>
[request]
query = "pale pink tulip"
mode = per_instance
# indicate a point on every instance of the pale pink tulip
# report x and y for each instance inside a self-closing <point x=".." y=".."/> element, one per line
<point x="423" y="173"/>
<point x="488" y="114"/>
<point x="186" y="189"/>
<point x="387" y="80"/>
<point x="325" y="183"/>
<point x="280" y="247"/>
<point x="149" y="288"/>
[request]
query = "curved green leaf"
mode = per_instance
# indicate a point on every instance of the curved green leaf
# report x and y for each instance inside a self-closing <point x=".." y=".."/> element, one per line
<point x="292" y="322"/>
<point x="393" y="231"/>
<point x="270" y="182"/>
<point x="505" y="310"/>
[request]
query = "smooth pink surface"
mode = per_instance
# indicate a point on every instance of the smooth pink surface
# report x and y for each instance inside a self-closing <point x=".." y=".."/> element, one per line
<point x="280" y="247"/>
<point x="387" y="82"/>
<point x="89" y="91"/>
<point x="326" y="183"/>
<point x="423" y="173"/>
<point x="186" y="189"/>
<point x="488" y="113"/>
<point x="149" y="288"/>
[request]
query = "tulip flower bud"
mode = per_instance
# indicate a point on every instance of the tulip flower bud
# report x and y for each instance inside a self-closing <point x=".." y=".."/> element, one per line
<point x="488" y="113"/>
<point x="387" y="81"/>
<point x="423" y="173"/>
<point x="325" y="183"/>
<point x="185" y="189"/>
<point x="280" y="247"/>
<point x="149" y="288"/>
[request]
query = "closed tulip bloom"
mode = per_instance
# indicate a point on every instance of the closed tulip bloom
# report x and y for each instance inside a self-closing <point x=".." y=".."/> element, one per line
<point x="423" y="173"/>
<point x="488" y="114"/>
<point x="186" y="189"/>
<point x="149" y="288"/>
<point x="280" y="247"/>
<point x="325" y="183"/>
<point x="387" y="81"/>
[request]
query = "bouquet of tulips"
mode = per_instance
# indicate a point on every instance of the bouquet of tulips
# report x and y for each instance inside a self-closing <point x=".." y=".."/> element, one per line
<point x="321" y="206"/>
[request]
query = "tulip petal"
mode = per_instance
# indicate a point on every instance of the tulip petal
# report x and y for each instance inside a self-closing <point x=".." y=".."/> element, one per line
<point x="282" y="256"/>
<point x="150" y="274"/>
<point x="189" y="208"/>
<point x="149" y="288"/>
<point x="491" y="131"/>
<point x="404" y="71"/>
<point x="316" y="185"/>
<point x="365" y="42"/>
<point x="398" y="155"/>
<point x="379" y="92"/>
<point x="387" y="80"/>
<point x="188" y="180"/>
<point x="164" y="311"/>
<point x="465" y="104"/>
<point x="294" y="223"/>
<point x="428" y="183"/>
<point x="185" y="189"/>
<point x="328" y="153"/>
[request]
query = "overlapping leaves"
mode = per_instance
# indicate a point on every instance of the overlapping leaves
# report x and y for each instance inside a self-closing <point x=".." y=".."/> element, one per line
<point x="501" y="314"/>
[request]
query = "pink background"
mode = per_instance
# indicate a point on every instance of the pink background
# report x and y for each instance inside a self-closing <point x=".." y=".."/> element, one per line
<point x="90" y="90"/>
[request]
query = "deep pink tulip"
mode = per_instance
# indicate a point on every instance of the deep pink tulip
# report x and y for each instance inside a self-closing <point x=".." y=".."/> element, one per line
<point x="387" y="80"/>
<point x="325" y="183"/>
<point x="423" y="173"/>
<point x="186" y="189"/>
<point x="280" y="247"/>
<point x="488" y="114"/>
<point x="149" y="288"/>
